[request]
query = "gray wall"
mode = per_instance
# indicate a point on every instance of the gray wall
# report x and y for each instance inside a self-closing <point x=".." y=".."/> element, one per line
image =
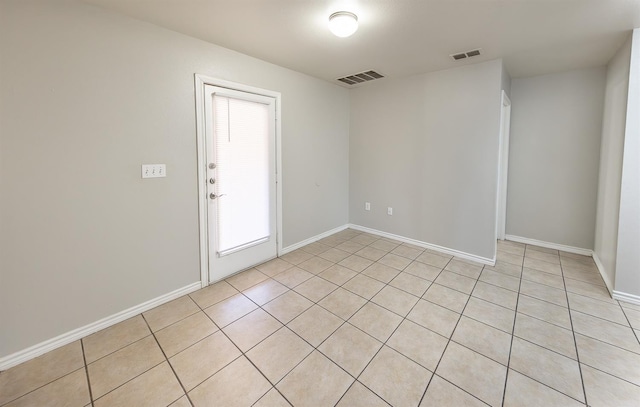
<point x="611" y="150"/>
<point x="427" y="145"/>
<point x="86" y="97"/>
<point x="556" y="123"/>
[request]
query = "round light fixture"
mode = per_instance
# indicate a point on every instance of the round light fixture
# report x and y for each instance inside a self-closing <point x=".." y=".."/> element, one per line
<point x="343" y="23"/>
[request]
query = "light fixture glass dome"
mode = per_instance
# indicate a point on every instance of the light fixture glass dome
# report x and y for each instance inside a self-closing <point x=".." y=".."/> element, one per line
<point x="343" y="23"/>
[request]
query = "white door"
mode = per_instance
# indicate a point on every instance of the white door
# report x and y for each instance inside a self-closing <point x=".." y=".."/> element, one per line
<point x="241" y="179"/>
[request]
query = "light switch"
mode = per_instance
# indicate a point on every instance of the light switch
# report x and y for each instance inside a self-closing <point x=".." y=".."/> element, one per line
<point x="154" y="170"/>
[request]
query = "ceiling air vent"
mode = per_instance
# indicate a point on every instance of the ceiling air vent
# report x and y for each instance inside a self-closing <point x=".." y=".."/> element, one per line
<point x="466" y="54"/>
<point x="360" y="77"/>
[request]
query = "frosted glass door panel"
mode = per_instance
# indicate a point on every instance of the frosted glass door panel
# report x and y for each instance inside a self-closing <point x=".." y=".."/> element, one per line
<point x="241" y="134"/>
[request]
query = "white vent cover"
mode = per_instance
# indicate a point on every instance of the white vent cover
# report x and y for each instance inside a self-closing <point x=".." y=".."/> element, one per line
<point x="361" y="77"/>
<point x="467" y="54"/>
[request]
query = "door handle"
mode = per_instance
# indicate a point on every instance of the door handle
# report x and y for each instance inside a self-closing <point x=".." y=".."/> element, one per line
<point x="214" y="196"/>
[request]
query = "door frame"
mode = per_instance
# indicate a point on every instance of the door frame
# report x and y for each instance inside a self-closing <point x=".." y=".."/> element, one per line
<point x="503" y="166"/>
<point x="200" y="82"/>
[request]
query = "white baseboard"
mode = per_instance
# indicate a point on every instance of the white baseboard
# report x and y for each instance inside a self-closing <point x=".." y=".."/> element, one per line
<point x="445" y="250"/>
<point x="626" y="297"/>
<point x="549" y="245"/>
<point x="41" y="348"/>
<point x="604" y="275"/>
<point x="313" y="239"/>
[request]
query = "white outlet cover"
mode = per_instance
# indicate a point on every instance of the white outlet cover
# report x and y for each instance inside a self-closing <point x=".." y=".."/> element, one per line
<point x="389" y="211"/>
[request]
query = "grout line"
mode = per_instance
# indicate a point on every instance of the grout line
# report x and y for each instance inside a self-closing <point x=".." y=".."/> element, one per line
<point x="86" y="369"/>
<point x="513" y="331"/>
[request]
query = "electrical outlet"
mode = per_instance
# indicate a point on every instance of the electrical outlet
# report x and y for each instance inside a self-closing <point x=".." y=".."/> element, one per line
<point x="389" y="211"/>
<point x="154" y="170"/>
<point x="367" y="206"/>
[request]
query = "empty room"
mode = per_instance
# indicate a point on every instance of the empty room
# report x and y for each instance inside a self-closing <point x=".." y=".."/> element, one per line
<point x="319" y="203"/>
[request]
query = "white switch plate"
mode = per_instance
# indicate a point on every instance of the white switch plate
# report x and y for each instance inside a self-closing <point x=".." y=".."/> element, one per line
<point x="154" y="170"/>
<point x="389" y="211"/>
<point x="367" y="206"/>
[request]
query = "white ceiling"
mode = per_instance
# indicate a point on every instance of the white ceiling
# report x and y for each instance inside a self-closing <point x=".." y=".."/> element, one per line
<point x="402" y="37"/>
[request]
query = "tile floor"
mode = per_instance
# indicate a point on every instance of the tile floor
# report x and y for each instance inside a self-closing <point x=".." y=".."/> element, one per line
<point x="358" y="320"/>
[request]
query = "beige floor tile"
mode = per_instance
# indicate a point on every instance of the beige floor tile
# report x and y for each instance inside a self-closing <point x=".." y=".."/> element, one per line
<point x="538" y="255"/>
<point x="334" y="255"/>
<point x="123" y="365"/>
<point x="592" y="277"/>
<point x="350" y="247"/>
<point x="410" y="283"/>
<point x="500" y="279"/>
<point x="360" y="396"/>
<point x="516" y="250"/>
<point x="395" y="300"/>
<point x="116" y="337"/>
<point x="238" y="384"/>
<point x="181" y="402"/>
<point x="274" y="267"/>
<point x="604" y="390"/>
<point x="546" y="335"/>
<point x="545" y="311"/>
<point x="509" y="258"/>
<point x="342" y="303"/>
<point x="246" y="279"/>
<point x="156" y="387"/>
<point x="628" y="305"/>
<point x="350" y="348"/>
<point x="185" y="333"/>
<point x="506" y="268"/>
<point x="395" y="261"/>
<point x="356" y="263"/>
<point x="590" y="290"/>
<point x="371" y="253"/>
<point x="364" y="286"/>
<point x="465" y="268"/>
<point x="171" y="312"/>
<point x="600" y="309"/>
<point x="296" y="257"/>
<point x="381" y="272"/>
<point x="614" y="334"/>
<point x="423" y="270"/>
<point x="542" y="277"/>
<point x="37" y="372"/>
<point x="497" y="295"/>
<point x="446" y="297"/>
<point x="435" y="260"/>
<point x="288" y="306"/>
<point x="251" y="329"/>
<point x="542" y="249"/>
<point x="293" y="277"/>
<point x="200" y="361"/>
<point x="488" y="341"/>
<point x="272" y="399"/>
<point x="473" y="373"/>
<point x="316" y="248"/>
<point x="491" y="314"/>
<point x="633" y="316"/>
<point x="71" y="390"/>
<point x="543" y="292"/>
<point x="541" y="265"/>
<point x="266" y="291"/>
<point x="419" y="344"/>
<point x="213" y="294"/>
<point x="434" y="317"/>
<point x="365" y="239"/>
<point x="337" y="274"/>
<point x="456" y="282"/>
<point x="316" y="372"/>
<point x="384" y="245"/>
<point x="332" y="240"/>
<point x="524" y="392"/>
<point x="376" y="321"/>
<point x="585" y="265"/>
<point x="407" y="251"/>
<point x="315" y="288"/>
<point x="315" y="325"/>
<point x="442" y="393"/>
<point x="231" y="309"/>
<point x="608" y="358"/>
<point x="279" y="354"/>
<point x="547" y="367"/>
<point x="397" y="379"/>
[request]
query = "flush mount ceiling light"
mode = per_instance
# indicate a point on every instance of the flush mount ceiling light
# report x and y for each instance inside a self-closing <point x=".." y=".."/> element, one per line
<point x="343" y="23"/>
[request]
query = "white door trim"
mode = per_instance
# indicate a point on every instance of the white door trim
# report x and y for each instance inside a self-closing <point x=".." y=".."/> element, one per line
<point x="503" y="166"/>
<point x="200" y="82"/>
